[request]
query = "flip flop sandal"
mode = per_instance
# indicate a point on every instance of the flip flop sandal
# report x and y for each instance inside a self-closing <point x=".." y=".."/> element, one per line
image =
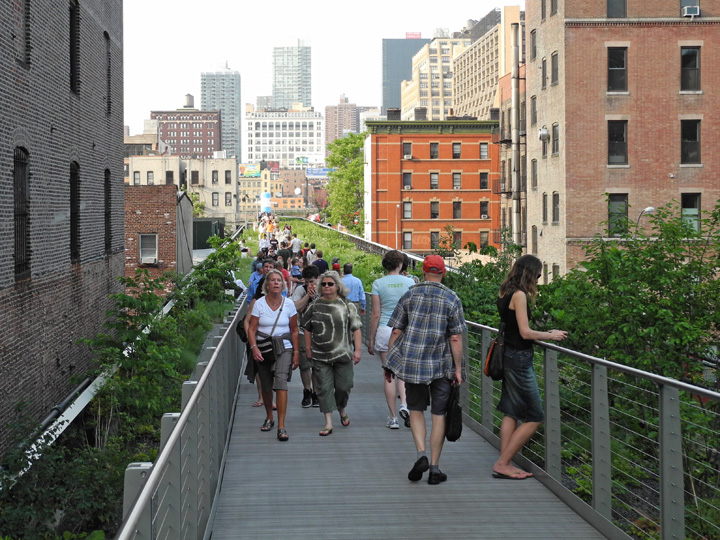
<point x="257" y="404"/>
<point x="345" y="420"/>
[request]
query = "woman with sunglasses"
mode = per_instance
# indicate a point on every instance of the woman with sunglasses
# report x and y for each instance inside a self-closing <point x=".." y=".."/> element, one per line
<point x="520" y="399"/>
<point x="274" y="316"/>
<point x="330" y="322"/>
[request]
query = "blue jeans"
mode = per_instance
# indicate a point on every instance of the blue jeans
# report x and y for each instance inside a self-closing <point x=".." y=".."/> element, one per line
<point x="520" y="398"/>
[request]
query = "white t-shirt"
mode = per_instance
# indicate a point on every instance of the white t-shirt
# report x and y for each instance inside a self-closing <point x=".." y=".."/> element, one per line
<point x="295" y="245"/>
<point x="266" y="318"/>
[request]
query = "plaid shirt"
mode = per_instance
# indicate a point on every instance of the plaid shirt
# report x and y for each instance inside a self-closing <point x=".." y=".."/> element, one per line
<point x="428" y="314"/>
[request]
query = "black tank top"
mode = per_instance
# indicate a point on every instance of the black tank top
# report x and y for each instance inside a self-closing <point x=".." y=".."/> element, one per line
<point x="513" y="339"/>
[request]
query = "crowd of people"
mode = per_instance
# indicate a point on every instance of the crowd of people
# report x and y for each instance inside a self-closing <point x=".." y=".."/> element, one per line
<point x="305" y="313"/>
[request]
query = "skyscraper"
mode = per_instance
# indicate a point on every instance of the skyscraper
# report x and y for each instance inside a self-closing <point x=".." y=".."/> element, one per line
<point x="397" y="55"/>
<point x="292" y="76"/>
<point x="221" y="92"/>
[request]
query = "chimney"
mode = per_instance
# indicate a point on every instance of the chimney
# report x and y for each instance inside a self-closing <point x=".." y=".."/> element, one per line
<point x="393" y="114"/>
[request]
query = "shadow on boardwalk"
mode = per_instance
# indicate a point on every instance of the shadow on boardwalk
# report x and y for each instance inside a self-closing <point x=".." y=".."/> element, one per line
<point x="353" y="484"/>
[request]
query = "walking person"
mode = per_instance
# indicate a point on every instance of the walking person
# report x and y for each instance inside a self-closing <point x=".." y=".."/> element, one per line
<point x="426" y="351"/>
<point x="329" y="323"/>
<point x="385" y="294"/>
<point x="520" y="398"/>
<point x="320" y="262"/>
<point x="274" y="318"/>
<point x="303" y="295"/>
<point x="356" y="293"/>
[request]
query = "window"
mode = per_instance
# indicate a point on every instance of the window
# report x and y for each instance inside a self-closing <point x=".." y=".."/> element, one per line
<point x="617" y="214"/>
<point x="534" y="240"/>
<point x="543" y="9"/>
<point x="194" y="177"/>
<point x="544" y="208"/>
<point x="136" y="178"/>
<point x="169" y="178"/>
<point x="554" y="68"/>
<point x="148" y="249"/>
<point x="543" y="82"/>
<point x="457" y="182"/>
<point x="434" y="210"/>
<point x="150" y="178"/>
<point x="556" y="207"/>
<point x="407" y="210"/>
<point x="108" y="214"/>
<point x="484" y="239"/>
<point x="690" y="141"/>
<point x="484" y="182"/>
<point x="21" y="179"/>
<point x="434" y="152"/>
<point x="690" y="68"/>
<point x="407" y="240"/>
<point x="690" y="204"/>
<point x="434" y="182"/>
<point x="533" y="174"/>
<point x="544" y="145"/>
<point x="457" y="210"/>
<point x="533" y="110"/>
<point x="616" y="9"/>
<point x="228" y="177"/>
<point x="545" y="273"/>
<point x="553" y="7"/>
<point x="108" y="75"/>
<point x="434" y="240"/>
<point x="74" y="212"/>
<point x="215" y="199"/>
<point x="74" y="46"/>
<point x="484" y="210"/>
<point x="483" y="150"/>
<point x="407" y="149"/>
<point x="456" y="150"/>
<point x="533" y="45"/>
<point x="228" y="198"/>
<point x="555" y="139"/>
<point x="214" y="177"/>
<point x="407" y="180"/>
<point x="617" y="142"/>
<point x="555" y="271"/>
<point x="457" y="240"/>
<point x="617" y="69"/>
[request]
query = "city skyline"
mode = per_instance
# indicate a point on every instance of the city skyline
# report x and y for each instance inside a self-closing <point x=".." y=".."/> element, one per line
<point x="351" y="53"/>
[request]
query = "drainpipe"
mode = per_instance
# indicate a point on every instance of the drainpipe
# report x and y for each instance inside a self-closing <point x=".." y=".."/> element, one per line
<point x="515" y="135"/>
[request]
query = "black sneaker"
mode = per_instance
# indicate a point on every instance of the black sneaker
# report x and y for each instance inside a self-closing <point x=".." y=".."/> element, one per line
<point x="307" y="399"/>
<point x="315" y="400"/>
<point x="421" y="465"/>
<point x="436" y="477"/>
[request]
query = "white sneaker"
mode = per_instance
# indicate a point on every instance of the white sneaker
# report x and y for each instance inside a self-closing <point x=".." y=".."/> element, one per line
<point x="392" y="423"/>
<point x="405" y="415"/>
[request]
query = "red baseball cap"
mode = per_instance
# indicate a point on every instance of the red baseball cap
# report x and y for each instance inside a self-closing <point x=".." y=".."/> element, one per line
<point x="434" y="264"/>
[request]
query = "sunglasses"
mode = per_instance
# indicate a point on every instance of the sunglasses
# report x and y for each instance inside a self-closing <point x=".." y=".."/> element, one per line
<point x="328" y="284"/>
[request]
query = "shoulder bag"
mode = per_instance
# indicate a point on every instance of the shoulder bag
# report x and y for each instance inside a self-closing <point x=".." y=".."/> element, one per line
<point x="453" y="416"/>
<point x="494" y="361"/>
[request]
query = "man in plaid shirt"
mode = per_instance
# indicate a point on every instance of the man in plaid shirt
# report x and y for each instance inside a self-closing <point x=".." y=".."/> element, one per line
<point x="425" y="351"/>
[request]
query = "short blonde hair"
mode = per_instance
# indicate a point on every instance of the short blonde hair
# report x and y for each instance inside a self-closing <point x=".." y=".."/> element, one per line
<point x="267" y="277"/>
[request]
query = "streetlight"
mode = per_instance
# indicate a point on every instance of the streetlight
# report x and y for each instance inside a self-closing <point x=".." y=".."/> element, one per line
<point x="397" y="228"/>
<point x="648" y="210"/>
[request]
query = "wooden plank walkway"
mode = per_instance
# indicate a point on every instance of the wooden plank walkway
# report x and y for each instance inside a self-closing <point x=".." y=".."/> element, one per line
<point x="353" y="484"/>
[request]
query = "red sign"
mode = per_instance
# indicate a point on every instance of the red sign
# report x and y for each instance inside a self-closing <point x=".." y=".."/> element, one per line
<point x="413" y="35"/>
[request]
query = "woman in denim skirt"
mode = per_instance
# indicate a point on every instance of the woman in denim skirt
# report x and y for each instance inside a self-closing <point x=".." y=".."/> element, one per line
<point x="520" y="400"/>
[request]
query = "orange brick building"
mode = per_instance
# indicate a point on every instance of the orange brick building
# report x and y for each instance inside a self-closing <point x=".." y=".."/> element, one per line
<point x="422" y="176"/>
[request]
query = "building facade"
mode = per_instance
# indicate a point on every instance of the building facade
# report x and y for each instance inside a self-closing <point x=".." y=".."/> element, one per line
<point x="431" y="86"/>
<point x="216" y="183"/>
<point x="477" y="69"/>
<point x="61" y="209"/>
<point x="220" y="91"/>
<point x="622" y="115"/>
<point x="340" y="120"/>
<point x="421" y="177"/>
<point x="293" y="138"/>
<point x="397" y="55"/>
<point x="189" y="132"/>
<point x="292" y="76"/>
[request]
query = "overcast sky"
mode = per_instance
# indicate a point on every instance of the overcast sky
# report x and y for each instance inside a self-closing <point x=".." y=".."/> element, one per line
<point x="168" y="43"/>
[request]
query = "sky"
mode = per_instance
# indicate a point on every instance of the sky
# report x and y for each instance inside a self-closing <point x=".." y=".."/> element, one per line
<point x="169" y="43"/>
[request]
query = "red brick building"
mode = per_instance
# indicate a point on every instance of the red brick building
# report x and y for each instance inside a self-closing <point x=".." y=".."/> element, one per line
<point x="422" y="176"/>
<point x="190" y="133"/>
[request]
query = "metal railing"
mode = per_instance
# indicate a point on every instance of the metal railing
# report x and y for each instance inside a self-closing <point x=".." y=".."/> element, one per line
<point x="633" y="453"/>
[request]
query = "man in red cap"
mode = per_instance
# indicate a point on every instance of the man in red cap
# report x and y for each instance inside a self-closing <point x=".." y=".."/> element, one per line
<point x="425" y="351"/>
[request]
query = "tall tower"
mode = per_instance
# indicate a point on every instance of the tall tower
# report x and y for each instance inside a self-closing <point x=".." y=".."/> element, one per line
<point x="221" y="92"/>
<point x="397" y="55"/>
<point x="292" y="76"/>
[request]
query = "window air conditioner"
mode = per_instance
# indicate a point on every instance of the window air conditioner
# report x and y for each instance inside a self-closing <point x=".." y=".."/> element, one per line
<point x="691" y="11"/>
<point x="543" y="134"/>
<point x="148" y="260"/>
<point x="407" y="156"/>
<point x="457" y="187"/>
<point x="484" y="216"/>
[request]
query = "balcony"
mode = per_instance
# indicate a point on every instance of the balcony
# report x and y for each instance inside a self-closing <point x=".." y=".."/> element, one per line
<point x="501" y="186"/>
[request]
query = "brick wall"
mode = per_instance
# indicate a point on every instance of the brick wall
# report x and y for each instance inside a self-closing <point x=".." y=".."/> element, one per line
<point x="42" y="317"/>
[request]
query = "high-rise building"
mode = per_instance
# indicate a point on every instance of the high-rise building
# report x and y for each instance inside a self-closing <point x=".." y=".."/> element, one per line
<point x="340" y="120"/>
<point x="431" y="86"/>
<point x="263" y="102"/>
<point x="292" y="76"/>
<point x="477" y="69"/>
<point x="397" y="55"/>
<point x="189" y="132"/>
<point x="220" y="91"/>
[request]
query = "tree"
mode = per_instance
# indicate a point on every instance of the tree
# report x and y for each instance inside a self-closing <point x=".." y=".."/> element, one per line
<point x="198" y="205"/>
<point x="345" y="188"/>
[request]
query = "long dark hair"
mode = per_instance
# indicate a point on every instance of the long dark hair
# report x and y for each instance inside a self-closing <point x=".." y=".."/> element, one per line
<point x="523" y="276"/>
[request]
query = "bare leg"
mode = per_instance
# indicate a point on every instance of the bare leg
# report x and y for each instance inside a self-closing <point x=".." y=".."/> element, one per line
<point x="267" y="398"/>
<point x="512" y="439"/>
<point x="390" y="395"/>
<point x="401" y="391"/>
<point x="282" y="397"/>
<point x="437" y="437"/>
<point x="419" y="431"/>
<point x="257" y="383"/>
<point x="328" y="420"/>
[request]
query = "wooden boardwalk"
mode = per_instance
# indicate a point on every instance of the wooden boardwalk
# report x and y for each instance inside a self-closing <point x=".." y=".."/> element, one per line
<point x="353" y="484"/>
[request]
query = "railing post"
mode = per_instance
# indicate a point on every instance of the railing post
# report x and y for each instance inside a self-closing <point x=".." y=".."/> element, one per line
<point x="189" y="467"/>
<point x="486" y="386"/>
<point x="553" y="433"/>
<point x="601" y="450"/>
<point x="672" y="496"/>
<point x="135" y="476"/>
